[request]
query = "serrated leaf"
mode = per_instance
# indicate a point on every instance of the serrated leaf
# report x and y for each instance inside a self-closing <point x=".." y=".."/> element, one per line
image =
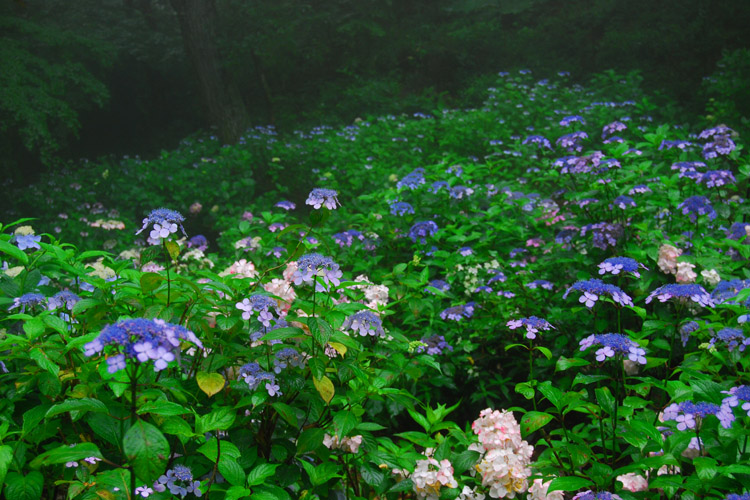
<point x="151" y="281"/>
<point x="287" y="412"/>
<point x="65" y="453"/>
<point x="210" y="449"/>
<point x="81" y="405"/>
<point x="83" y="305"/>
<point x="173" y="249"/>
<point x="232" y="471"/>
<point x="325" y="388"/>
<point x="210" y="383"/>
<point x="534" y="420"/>
<point x="309" y="440"/>
<point x="568" y="483"/>
<point x="219" y="419"/>
<point x="465" y="460"/>
<point x="43" y="361"/>
<point x="565" y="363"/>
<point x="20" y="487"/>
<point x="33" y="328"/>
<point x="344" y="421"/>
<point x="237" y="492"/>
<point x="320" y="330"/>
<point x="164" y="408"/>
<point x="259" y="473"/>
<point x="6" y="456"/>
<point x="340" y="348"/>
<point x="147" y="450"/>
<point x="284" y="333"/>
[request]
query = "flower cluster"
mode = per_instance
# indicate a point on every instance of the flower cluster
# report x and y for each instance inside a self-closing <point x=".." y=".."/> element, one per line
<point x="346" y="238"/>
<point x="286" y="205"/>
<point x="615" y="265"/>
<point x="695" y="206"/>
<point x="163" y="222"/>
<point x="311" y="265"/>
<point x="622" y="202"/>
<point x="430" y="476"/>
<point x="614" y="344"/>
<point x="365" y="323"/>
<point x="287" y="356"/>
<point x="323" y="197"/>
<point x="254" y="375"/>
<point x="539" y="140"/>
<point x="591" y="290"/>
<point x="732" y="337"/>
<point x="179" y="481"/>
<point x="346" y="444"/>
<point x="590" y="495"/>
<point x="261" y="304"/>
<point x="26" y="241"/>
<point x="683" y="292"/>
<point x="459" y="312"/>
<point x="434" y="345"/>
<point x="572" y="142"/>
<point x="143" y="339"/>
<point x="375" y="295"/>
<point x="65" y="298"/>
<point x="412" y="180"/>
<point x="721" y="141"/>
<point x="27" y="300"/>
<point x="604" y="234"/>
<point x="736" y="395"/>
<point x="422" y="230"/>
<point x="667" y="260"/>
<point x="401" y="208"/>
<point x="504" y="464"/>
<point x="532" y="324"/>
<point x="688" y="415"/>
<point x="438" y="284"/>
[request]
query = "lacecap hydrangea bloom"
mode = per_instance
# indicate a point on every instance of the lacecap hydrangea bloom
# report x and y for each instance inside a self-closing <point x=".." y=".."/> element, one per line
<point x="65" y="298"/>
<point x="532" y="324"/>
<point x="457" y="313"/>
<point x="434" y="345"/>
<point x="179" y="481"/>
<point x="319" y="197"/>
<point x="590" y="495"/>
<point x="422" y="230"/>
<point x="695" y="206"/>
<point x="737" y="395"/>
<point x="365" y="323"/>
<point x="163" y="222"/>
<point x="616" y="265"/>
<point x="141" y="339"/>
<point x="614" y="344"/>
<point x="401" y="208"/>
<point x="733" y="338"/>
<point x="254" y="375"/>
<point x="27" y="300"/>
<point x="260" y="304"/>
<point x="593" y="289"/>
<point x="412" y="180"/>
<point x="26" y="241"/>
<point x="695" y="293"/>
<point x="689" y="415"/>
<point x="315" y="265"/>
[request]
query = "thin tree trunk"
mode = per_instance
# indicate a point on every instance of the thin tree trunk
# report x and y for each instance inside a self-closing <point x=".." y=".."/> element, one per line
<point x="221" y="97"/>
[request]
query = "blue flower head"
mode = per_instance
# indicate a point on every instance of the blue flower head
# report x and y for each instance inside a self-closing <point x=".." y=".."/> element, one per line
<point x="401" y="208"/>
<point x="64" y="298"/>
<point x="26" y="241"/>
<point x="422" y="230"/>
<point x="733" y="338"/>
<point x="616" y="265"/>
<point x="253" y="375"/>
<point x="323" y="197"/>
<point x="311" y="265"/>
<point x="614" y="344"/>
<point x="434" y="345"/>
<point x="695" y="206"/>
<point x="540" y="141"/>
<point x="439" y="284"/>
<point x="532" y="325"/>
<point x="163" y="222"/>
<point x="179" y="481"/>
<point x="365" y="323"/>
<point x="412" y="180"/>
<point x="590" y="495"/>
<point x="689" y="415"/>
<point x="27" y="300"/>
<point x="591" y="290"/>
<point x="692" y="292"/>
<point x="457" y="313"/>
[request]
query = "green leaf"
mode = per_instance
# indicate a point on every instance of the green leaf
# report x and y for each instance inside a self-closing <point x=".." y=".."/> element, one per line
<point x="464" y="461"/>
<point x="106" y="427"/>
<point x="210" y="449"/>
<point x="259" y="474"/>
<point x="546" y="352"/>
<point x="6" y="456"/>
<point x="151" y="281"/>
<point x="19" y="487"/>
<point x="219" y="419"/>
<point x="420" y="419"/>
<point x="310" y="440"/>
<point x="81" y="405"/>
<point x="534" y="420"/>
<point x="43" y="361"/>
<point x="344" y="421"/>
<point x="565" y="363"/>
<point x="65" y="453"/>
<point x="210" y="383"/>
<point x="325" y="388"/>
<point x="288" y="413"/>
<point x="320" y="330"/>
<point x="405" y="485"/>
<point x="232" y="471"/>
<point x="33" y="328"/>
<point x="525" y="389"/>
<point x="237" y="492"/>
<point x="14" y="252"/>
<point x="706" y="468"/>
<point x="605" y="399"/>
<point x="177" y="426"/>
<point x="321" y="473"/>
<point x="173" y="249"/>
<point x="84" y="305"/>
<point x="284" y="333"/>
<point x="147" y="450"/>
<point x="165" y="408"/>
<point x="31" y="419"/>
<point x="568" y="483"/>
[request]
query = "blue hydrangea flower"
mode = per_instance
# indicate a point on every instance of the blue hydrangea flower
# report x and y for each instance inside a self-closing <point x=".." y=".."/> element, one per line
<point x="319" y="197"/>
<point x="533" y="285"/>
<point x="64" y="298"/>
<point x="695" y="206"/>
<point x="532" y="324"/>
<point x="732" y="337"/>
<point x="260" y="304"/>
<point x="365" y="323"/>
<point x="412" y="180"/>
<point x="738" y="496"/>
<point x="179" y="481"/>
<point x="614" y="344"/>
<point x="613" y="127"/>
<point x="314" y="264"/>
<point x="277" y="226"/>
<point x="591" y="290"/>
<point x="716" y="178"/>
<point x="726" y="290"/>
<point x="738" y="231"/>
<point x="438" y="185"/>
<point x="456" y="170"/>
<point x="287" y="356"/>
<point x="572" y="142"/>
<point x="688" y="414"/>
<point x="604" y="234"/>
<point x="695" y="293"/>
<point x="566" y="235"/>
<point x="465" y="251"/>
<point x="682" y="145"/>
<point x="435" y="345"/>
<point x="286" y="205"/>
<point x="540" y="141"/>
<point x="686" y="329"/>
<point x="253" y="375"/>
<point x="422" y="230"/>
<point x="640" y="189"/>
<point x="401" y="208"/>
<point x="623" y="202"/>
<point x="199" y="242"/>
<point x="714" y="131"/>
<point x="276" y="252"/>
<point x="590" y="495"/>
<point x="27" y="300"/>
<point x="142" y="339"/>
<point x="346" y="238"/>
<point x="440" y="285"/>
<point x="459" y="312"/>
<point x="460" y="192"/>
<point x="721" y="145"/>
<point x="737" y="395"/>
<point x="572" y="119"/>
<point x="163" y="222"/>
<point x="26" y="241"/>
<point x="616" y="265"/>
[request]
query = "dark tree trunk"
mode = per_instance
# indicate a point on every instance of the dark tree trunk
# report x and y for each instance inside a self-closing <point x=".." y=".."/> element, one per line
<point x="222" y="100"/>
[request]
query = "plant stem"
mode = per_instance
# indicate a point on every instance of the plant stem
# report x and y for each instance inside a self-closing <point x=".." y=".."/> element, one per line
<point x="169" y="262"/>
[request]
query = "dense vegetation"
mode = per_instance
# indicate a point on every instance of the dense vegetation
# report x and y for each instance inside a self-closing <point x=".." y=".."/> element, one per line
<point x="545" y="294"/>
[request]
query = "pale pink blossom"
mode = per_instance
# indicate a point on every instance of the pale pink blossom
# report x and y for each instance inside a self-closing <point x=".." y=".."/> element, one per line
<point x="538" y="491"/>
<point x="633" y="482"/>
<point x="667" y="260"/>
<point x="685" y="273"/>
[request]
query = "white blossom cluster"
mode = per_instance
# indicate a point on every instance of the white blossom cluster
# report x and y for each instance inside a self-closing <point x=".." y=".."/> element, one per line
<point x="430" y="475"/>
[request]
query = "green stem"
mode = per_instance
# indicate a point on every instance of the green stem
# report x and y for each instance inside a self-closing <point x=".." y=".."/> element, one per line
<point x="133" y="415"/>
<point x="169" y="262"/>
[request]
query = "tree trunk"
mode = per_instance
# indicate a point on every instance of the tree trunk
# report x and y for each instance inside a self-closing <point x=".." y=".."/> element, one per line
<point x="221" y="97"/>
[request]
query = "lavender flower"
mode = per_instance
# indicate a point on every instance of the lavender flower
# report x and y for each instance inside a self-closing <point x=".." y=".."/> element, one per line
<point x="143" y="339"/>
<point x="732" y="337"/>
<point x="459" y="312"/>
<point x="721" y="145"/>
<point x="572" y="142"/>
<point x="460" y="192"/>
<point x="604" y="234"/>
<point x="591" y="290"/>
<point x="261" y="304"/>
<point x="286" y="205"/>
<point x="163" y="222"/>
<point x="590" y="495"/>
<point x="346" y="238"/>
<point x="716" y="178"/>
<point x="434" y="345"/>
<point x="422" y="230"/>
<point x="276" y="252"/>
<point x="735" y="396"/>
<point x="686" y="329"/>
<point x="401" y="208"/>
<point x="738" y="231"/>
<point x="311" y="265"/>
<point x="438" y="185"/>
<point x="612" y="128"/>
<point x="539" y="140"/>
<point x="26" y="241"/>
<point x="640" y="189"/>
<point x="179" y="481"/>
<point x="198" y="241"/>
<point x="532" y="324"/>
<point x="465" y="251"/>
<point x="533" y="285"/>
<point x="681" y="145"/>
<point x="365" y="323"/>
<point x="412" y="180"/>
<point x="64" y="298"/>
<point x="615" y="265"/>
<point x="27" y="300"/>
<point x="287" y="357"/>
<point x="323" y="197"/>
<point x="439" y="284"/>
<point x="614" y="344"/>
<point x="623" y="202"/>
<point x="254" y="375"/>
<point x="689" y="415"/>
<point x="738" y="496"/>
<point x="697" y="205"/>
<point x="695" y="293"/>
<point x="572" y="119"/>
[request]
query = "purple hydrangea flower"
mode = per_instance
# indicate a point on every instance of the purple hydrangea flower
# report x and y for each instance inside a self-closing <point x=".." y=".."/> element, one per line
<point x="732" y="337"/>
<point x="401" y="208"/>
<point x="539" y="140"/>
<point x="253" y="375"/>
<point x="276" y="252"/>
<point x="738" y="496"/>
<point x="697" y="205"/>
<point x="572" y="142"/>
<point x="435" y="345"/>
<point x="623" y="202"/>
<point x="314" y="264"/>
<point x="533" y="285"/>
<point x="64" y="298"/>
<point x="738" y="231"/>
<point x="261" y="304"/>
<point x="737" y="395"/>
<point x="688" y="415"/>
<point x="143" y="339"/>
<point x="460" y="192"/>
<point x="615" y="265"/>
<point x="496" y="276"/>
<point x="439" y="284"/>
<point x="26" y="241"/>
<point x="572" y="119"/>
<point x="604" y="234"/>
<point x="613" y="127"/>
<point x="163" y="222"/>
<point x="591" y="290"/>
<point x="532" y="324"/>
<point x="695" y="293"/>
<point x="287" y="356"/>
<point x="459" y="312"/>
<point x="346" y="238"/>
<point x="27" y="300"/>
<point x="686" y="329"/>
<point x="319" y="197"/>
<point x="726" y="290"/>
<point x="422" y="230"/>
<point x="199" y="242"/>
<point x="682" y="145"/>
<point x="438" y="185"/>
<point x="721" y="145"/>
<point x="465" y="251"/>
<point x="716" y="178"/>
<point x="144" y="491"/>
<point x="614" y="344"/>
<point x="639" y="189"/>
<point x="412" y="180"/>
<point x="179" y="481"/>
<point x="590" y="495"/>
<point x="286" y="205"/>
<point x="365" y="323"/>
<point x="277" y="226"/>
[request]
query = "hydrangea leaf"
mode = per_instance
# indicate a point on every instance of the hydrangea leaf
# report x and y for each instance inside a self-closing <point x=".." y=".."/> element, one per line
<point x="210" y="383"/>
<point x="325" y="388"/>
<point x="147" y="450"/>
